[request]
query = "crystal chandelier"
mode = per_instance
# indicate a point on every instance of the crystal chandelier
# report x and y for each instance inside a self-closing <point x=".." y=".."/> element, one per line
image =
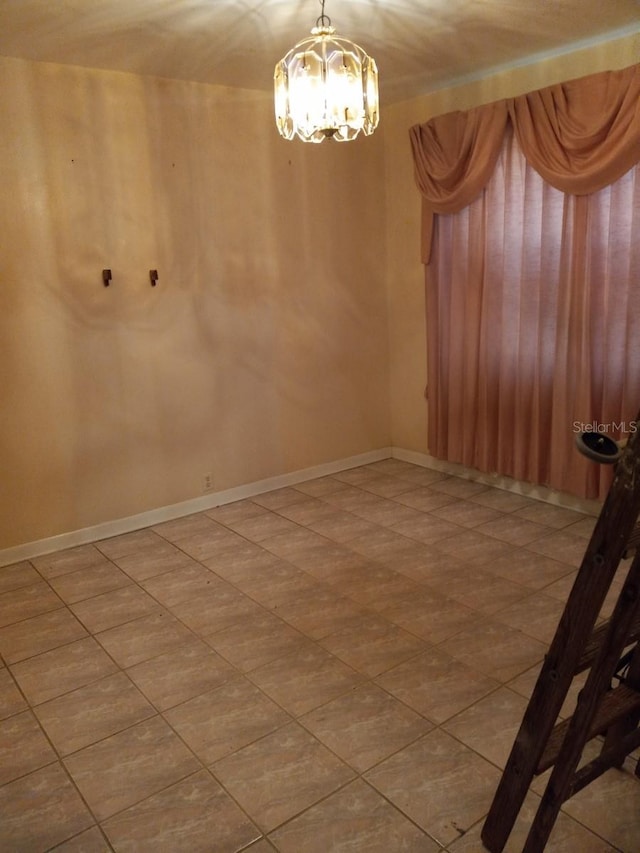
<point x="326" y="87"/>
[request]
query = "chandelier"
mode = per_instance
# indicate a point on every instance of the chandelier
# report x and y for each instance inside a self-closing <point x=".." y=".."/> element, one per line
<point x="326" y="87"/>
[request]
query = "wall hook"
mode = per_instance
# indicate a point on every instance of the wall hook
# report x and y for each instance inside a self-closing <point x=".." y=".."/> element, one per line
<point x="106" y="277"/>
<point x="153" y="276"/>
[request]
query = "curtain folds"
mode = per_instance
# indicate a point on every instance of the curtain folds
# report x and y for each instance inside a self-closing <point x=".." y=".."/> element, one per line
<point x="580" y="136"/>
<point x="454" y="157"/>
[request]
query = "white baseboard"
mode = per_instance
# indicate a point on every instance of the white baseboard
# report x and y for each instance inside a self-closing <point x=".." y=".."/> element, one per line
<point x="498" y="481"/>
<point x="118" y="526"/>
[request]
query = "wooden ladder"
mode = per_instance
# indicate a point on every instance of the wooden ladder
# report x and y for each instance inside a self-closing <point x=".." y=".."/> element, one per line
<point x="580" y="644"/>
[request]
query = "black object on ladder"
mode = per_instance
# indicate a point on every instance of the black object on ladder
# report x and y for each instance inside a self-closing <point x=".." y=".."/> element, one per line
<point x="610" y="651"/>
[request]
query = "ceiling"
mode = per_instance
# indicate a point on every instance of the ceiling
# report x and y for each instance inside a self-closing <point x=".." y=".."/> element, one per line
<point x="419" y="45"/>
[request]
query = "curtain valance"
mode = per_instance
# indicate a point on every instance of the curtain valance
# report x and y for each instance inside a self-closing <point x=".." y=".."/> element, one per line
<point x="580" y="136"/>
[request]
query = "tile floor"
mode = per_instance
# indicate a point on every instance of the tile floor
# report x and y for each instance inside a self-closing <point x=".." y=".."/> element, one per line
<point x="337" y="666"/>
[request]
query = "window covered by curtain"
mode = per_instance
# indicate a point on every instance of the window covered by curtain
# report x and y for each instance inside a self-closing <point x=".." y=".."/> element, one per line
<point x="533" y="291"/>
<point x="533" y="307"/>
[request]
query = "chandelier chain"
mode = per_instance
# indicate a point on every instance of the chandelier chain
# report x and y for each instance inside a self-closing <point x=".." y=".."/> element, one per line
<point x="324" y="20"/>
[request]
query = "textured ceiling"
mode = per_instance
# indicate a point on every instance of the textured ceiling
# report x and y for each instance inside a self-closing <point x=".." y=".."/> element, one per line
<point x="419" y="45"/>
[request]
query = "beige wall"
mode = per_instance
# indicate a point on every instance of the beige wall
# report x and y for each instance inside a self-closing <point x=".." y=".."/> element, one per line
<point x="287" y="328"/>
<point x="263" y="349"/>
<point x="405" y="278"/>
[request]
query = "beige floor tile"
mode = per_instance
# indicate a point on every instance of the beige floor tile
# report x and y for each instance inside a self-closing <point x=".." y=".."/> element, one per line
<point x="293" y="543"/>
<point x="11" y="699"/>
<point x="356" y="818"/>
<point x="327" y="561"/>
<point x="550" y="515"/>
<point x="85" y="583"/>
<point x="365" y="726"/>
<point x="528" y="569"/>
<point x="93" y="712"/>
<point x="320" y="612"/>
<point x="278" y="498"/>
<point x="584" y="527"/>
<point x="436" y="685"/>
<point x="357" y="501"/>
<point x="514" y="529"/>
<point x="306" y="679"/>
<point x="277" y="583"/>
<point x="610" y="807"/>
<point x="561" y="588"/>
<point x="458" y="487"/>
<point x="69" y="560"/>
<point x="23" y="747"/>
<point x="501" y="499"/>
<point x="474" y="548"/>
<point x="387" y="486"/>
<point x="565" y="546"/>
<point x="62" y="670"/>
<point x="90" y="841"/>
<point x="262" y="846"/>
<point x="39" y="634"/>
<point x="242" y="562"/>
<point x="256" y="641"/>
<point x="425" y="499"/>
<point x="114" y="608"/>
<point x="179" y="529"/>
<point x="376" y="586"/>
<point x="358" y="476"/>
<point x="439" y="783"/>
<point x="536" y="615"/>
<point x="193" y="816"/>
<point x="490" y="725"/>
<point x="321" y="487"/>
<point x="216" y="609"/>
<point x="180" y="674"/>
<point x="340" y="526"/>
<point x="305" y="510"/>
<point x="209" y="543"/>
<point x="40" y="811"/>
<point x="568" y="836"/>
<point x="467" y="513"/>
<point x="18" y="575"/>
<point x="390" y="513"/>
<point x="428" y="528"/>
<point x="144" y="638"/>
<point x="17" y="605"/>
<point x="430" y="615"/>
<point x="479" y="589"/>
<point x="372" y="645"/>
<point x="495" y="649"/>
<point x="183" y="652"/>
<point x="280" y="775"/>
<point x="182" y="584"/>
<point x="153" y="561"/>
<point x="236" y="511"/>
<point x="125" y="768"/>
<point x="223" y="720"/>
<point x="263" y="526"/>
<point x="127" y="544"/>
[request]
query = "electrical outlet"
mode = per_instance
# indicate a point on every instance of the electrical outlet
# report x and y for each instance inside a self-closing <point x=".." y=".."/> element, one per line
<point x="208" y="482"/>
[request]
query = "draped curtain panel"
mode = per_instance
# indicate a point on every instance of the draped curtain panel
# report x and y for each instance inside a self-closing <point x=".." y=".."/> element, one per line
<point x="533" y="278"/>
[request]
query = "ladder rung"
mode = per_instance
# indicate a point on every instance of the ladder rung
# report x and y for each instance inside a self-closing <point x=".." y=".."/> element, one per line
<point x="615" y="705"/>
<point x="595" y="641"/>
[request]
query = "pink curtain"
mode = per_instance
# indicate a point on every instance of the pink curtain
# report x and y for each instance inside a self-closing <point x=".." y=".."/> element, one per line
<point x="533" y="295"/>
